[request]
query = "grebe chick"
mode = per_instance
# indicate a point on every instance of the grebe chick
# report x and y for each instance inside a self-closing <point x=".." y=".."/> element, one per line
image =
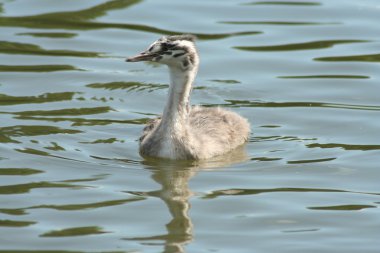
<point x="184" y="132"/>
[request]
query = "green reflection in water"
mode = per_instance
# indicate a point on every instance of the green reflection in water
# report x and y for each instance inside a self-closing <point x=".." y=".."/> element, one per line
<point x="24" y="130"/>
<point x="62" y="251"/>
<point x="79" y="20"/>
<point x="33" y="151"/>
<point x="246" y="103"/>
<point x="55" y="147"/>
<point x="232" y="192"/>
<point x="110" y="140"/>
<point x="270" y="126"/>
<point x="129" y="86"/>
<point x="12" y="223"/>
<point x="276" y="23"/>
<point x="238" y="192"/>
<point x="344" y="146"/>
<point x="326" y="77"/>
<point x="75" y="207"/>
<point x="44" y="98"/>
<point x="342" y="207"/>
<point x="50" y="35"/>
<point x="66" y="19"/>
<point x="72" y="207"/>
<point x="285" y="3"/>
<point x="25" y="188"/>
<point x="225" y="81"/>
<point x="354" y="58"/>
<point x="279" y="137"/>
<point x="266" y="159"/>
<point x="7" y="47"/>
<point x="77" y="231"/>
<point x="91" y="179"/>
<point x="12" y="211"/>
<point x="301" y="46"/>
<point x="86" y="122"/>
<point x="36" y="68"/>
<point x="68" y="112"/>
<point x="6" y="139"/>
<point x="311" y="161"/>
<point x="301" y="230"/>
<point x="18" y="171"/>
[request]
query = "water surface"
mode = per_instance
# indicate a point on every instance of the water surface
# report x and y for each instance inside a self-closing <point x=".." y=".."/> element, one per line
<point x="305" y="74"/>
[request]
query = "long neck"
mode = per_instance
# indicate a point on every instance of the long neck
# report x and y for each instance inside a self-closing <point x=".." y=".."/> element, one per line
<point x="177" y="106"/>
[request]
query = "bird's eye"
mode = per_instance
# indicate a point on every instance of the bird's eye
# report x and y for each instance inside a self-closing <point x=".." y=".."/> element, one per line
<point x="164" y="46"/>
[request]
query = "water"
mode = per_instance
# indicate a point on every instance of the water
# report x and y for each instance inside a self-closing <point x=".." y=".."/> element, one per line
<point x="305" y="74"/>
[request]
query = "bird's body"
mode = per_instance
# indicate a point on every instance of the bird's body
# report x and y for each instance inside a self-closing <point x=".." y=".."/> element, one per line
<point x="184" y="132"/>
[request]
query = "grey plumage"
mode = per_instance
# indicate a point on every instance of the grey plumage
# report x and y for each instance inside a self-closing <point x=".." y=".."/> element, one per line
<point x="182" y="132"/>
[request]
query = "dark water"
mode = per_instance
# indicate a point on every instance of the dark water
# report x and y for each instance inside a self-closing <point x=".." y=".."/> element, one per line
<point x="305" y="74"/>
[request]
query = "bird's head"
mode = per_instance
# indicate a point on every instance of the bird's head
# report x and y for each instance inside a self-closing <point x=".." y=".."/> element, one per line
<point x="174" y="51"/>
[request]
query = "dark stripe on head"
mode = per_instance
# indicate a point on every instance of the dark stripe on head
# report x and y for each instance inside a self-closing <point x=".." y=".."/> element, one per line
<point x="177" y="48"/>
<point x="179" y="54"/>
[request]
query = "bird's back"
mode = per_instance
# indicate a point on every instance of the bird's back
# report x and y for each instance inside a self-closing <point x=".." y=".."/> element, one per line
<point x="218" y="130"/>
<point x="209" y="132"/>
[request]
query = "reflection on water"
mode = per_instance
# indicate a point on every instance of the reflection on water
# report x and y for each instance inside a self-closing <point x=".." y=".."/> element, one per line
<point x="80" y="20"/>
<point x="174" y="177"/>
<point x="36" y="68"/>
<point x="354" y="58"/>
<point x="286" y="3"/>
<point x="175" y="193"/>
<point x="129" y="86"/>
<point x="301" y="46"/>
<point x="44" y="98"/>
<point x="30" y="49"/>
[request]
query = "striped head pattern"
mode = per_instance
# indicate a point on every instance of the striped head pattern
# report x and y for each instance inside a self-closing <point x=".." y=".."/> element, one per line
<point x="174" y="51"/>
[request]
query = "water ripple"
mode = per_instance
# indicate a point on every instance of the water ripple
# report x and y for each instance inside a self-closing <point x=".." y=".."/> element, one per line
<point x="50" y="34"/>
<point x="325" y="77"/>
<point x="286" y="3"/>
<point x="129" y="86"/>
<point x="85" y="121"/>
<point x="67" y="112"/>
<point x="79" y="20"/>
<point x="300" y="46"/>
<point x="75" y="231"/>
<point x="246" y="103"/>
<point x="285" y="23"/>
<point x="36" y="68"/>
<point x="7" y="47"/>
<point x="342" y="207"/>
<point x="19" y="171"/>
<point x="344" y="146"/>
<point x="312" y="160"/>
<point x="231" y="192"/>
<point x="6" y="133"/>
<point x="25" y="188"/>
<point x="44" y="98"/>
<point x="13" y="223"/>
<point x="71" y="207"/>
<point x="349" y="58"/>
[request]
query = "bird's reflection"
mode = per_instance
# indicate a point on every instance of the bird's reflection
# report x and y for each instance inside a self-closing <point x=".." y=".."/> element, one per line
<point x="174" y="177"/>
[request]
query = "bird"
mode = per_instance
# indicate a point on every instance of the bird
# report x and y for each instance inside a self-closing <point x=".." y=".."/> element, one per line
<point x="185" y="132"/>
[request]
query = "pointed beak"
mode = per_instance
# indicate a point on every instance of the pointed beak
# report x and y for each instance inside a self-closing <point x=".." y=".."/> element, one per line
<point x="144" y="56"/>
